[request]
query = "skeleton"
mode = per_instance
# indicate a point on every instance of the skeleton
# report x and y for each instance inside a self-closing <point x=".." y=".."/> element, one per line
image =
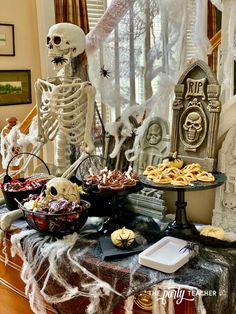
<point x="121" y="130"/>
<point x="7" y="219"/>
<point x="56" y="189"/>
<point x="65" y="104"/>
<point x="193" y="126"/>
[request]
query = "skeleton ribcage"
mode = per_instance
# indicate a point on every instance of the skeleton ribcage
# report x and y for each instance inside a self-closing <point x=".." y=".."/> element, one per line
<point x="63" y="108"/>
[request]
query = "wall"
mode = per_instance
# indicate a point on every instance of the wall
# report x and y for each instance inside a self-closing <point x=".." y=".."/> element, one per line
<point x="200" y="205"/>
<point x="21" y="13"/>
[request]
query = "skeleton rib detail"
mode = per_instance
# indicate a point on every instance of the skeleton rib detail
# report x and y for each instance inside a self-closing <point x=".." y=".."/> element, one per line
<point x="66" y="113"/>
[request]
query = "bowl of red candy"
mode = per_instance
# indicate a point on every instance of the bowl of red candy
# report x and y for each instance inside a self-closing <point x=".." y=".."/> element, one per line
<point x="21" y="189"/>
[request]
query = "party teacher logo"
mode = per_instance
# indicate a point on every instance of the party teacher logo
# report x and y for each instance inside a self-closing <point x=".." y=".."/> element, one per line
<point x="179" y="294"/>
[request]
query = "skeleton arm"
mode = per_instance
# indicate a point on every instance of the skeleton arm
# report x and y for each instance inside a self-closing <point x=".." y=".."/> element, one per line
<point x="91" y="92"/>
<point x="118" y="143"/>
<point x="121" y="130"/>
<point x="38" y="92"/>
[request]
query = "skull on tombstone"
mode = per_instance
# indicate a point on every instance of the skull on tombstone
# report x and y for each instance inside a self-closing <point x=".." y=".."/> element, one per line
<point x="65" y="41"/>
<point x="154" y="134"/>
<point x="193" y="126"/>
<point x="58" y="188"/>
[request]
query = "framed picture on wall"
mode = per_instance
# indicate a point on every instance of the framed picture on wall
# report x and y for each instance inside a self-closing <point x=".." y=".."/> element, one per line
<point x="7" y="41"/>
<point x="15" y="87"/>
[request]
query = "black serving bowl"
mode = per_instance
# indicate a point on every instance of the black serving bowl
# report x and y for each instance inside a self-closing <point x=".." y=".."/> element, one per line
<point x="10" y="197"/>
<point x="57" y="224"/>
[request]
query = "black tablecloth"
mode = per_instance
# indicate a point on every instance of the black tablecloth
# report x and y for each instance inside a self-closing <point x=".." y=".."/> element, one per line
<point x="212" y="270"/>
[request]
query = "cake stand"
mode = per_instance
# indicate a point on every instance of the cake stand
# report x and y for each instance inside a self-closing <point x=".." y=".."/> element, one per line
<point x="113" y="221"/>
<point x="181" y="227"/>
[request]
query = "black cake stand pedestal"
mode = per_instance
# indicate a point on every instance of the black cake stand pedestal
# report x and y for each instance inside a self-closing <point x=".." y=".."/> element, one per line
<point x="181" y="227"/>
<point x="112" y="222"/>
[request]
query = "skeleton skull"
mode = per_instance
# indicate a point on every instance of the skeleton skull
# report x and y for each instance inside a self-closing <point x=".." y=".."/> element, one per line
<point x="65" y="41"/>
<point x="56" y="189"/>
<point x="193" y="126"/>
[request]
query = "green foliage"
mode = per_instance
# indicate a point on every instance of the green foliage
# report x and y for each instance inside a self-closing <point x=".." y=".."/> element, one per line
<point x="10" y="89"/>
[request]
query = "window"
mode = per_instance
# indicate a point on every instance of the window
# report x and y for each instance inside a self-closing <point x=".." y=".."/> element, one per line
<point x="143" y="47"/>
<point x="95" y="10"/>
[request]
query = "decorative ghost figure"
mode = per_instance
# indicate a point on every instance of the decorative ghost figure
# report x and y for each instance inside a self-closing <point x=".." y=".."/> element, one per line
<point x="58" y="188"/>
<point x="65" y="41"/>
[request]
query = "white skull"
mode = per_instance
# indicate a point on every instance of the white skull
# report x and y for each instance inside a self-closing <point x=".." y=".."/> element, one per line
<point x="193" y="126"/>
<point x="56" y="189"/>
<point x="65" y="41"/>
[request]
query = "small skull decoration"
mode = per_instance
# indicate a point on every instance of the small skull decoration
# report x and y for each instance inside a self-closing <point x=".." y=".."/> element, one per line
<point x="65" y="41"/>
<point x="154" y="134"/>
<point x="58" y="188"/>
<point x="193" y="126"/>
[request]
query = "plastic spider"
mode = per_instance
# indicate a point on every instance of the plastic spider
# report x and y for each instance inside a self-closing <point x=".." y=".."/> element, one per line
<point x="105" y="72"/>
<point x="190" y="246"/>
<point x="59" y="60"/>
<point x="124" y="243"/>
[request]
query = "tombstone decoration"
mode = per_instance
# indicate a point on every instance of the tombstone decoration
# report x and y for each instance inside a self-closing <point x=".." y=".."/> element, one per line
<point x="154" y="145"/>
<point x="224" y="214"/>
<point x="149" y="202"/>
<point x="196" y="111"/>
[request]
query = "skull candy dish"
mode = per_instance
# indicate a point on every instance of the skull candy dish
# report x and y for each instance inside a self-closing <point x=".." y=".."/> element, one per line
<point x="58" y="188"/>
<point x="59" y="195"/>
<point x="58" y="210"/>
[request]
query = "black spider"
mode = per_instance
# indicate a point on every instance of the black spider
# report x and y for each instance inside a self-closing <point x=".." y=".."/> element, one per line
<point x="124" y="243"/>
<point x="59" y="60"/>
<point x="105" y="72"/>
<point x="190" y="246"/>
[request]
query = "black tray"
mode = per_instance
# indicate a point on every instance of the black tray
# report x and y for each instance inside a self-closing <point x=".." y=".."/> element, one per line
<point x="109" y="251"/>
<point x="193" y="186"/>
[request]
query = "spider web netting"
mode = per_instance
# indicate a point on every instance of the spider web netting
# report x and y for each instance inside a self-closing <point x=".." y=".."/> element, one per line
<point x="67" y="271"/>
<point x="141" y="45"/>
<point x="144" y="16"/>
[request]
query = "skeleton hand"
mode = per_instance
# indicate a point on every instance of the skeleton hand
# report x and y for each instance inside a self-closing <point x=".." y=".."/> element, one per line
<point x="90" y="148"/>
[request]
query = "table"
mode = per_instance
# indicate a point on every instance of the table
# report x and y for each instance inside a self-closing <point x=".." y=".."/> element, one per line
<point x="209" y="271"/>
